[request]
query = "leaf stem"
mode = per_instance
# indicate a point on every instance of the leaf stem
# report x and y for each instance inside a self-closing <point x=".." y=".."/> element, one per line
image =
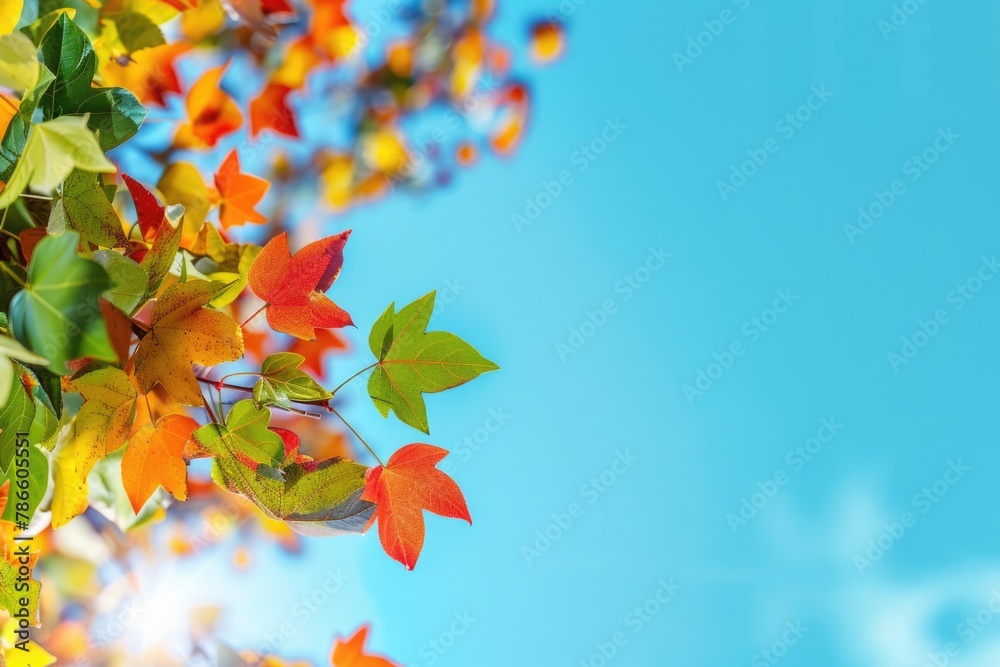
<point x="258" y="312"/>
<point x="358" y="436"/>
<point x="16" y="278"/>
<point x="342" y="384"/>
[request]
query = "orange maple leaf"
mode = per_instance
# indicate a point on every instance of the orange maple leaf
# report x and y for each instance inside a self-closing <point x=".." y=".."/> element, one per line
<point x="315" y="351"/>
<point x="238" y="193"/>
<point x="155" y="457"/>
<point x="212" y="113"/>
<point x="293" y="287"/>
<point x="269" y="110"/>
<point x="351" y="653"/>
<point x="407" y="485"/>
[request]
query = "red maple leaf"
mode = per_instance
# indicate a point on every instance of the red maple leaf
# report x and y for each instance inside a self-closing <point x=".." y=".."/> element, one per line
<point x="147" y="207"/>
<point x="293" y="287"/>
<point x="407" y="485"/>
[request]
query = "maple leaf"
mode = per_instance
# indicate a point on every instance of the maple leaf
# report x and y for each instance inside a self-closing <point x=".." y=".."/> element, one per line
<point x="148" y="209"/>
<point x="183" y="332"/>
<point x="100" y="428"/>
<point x="108" y="408"/>
<point x="281" y="382"/>
<point x="269" y="110"/>
<point x="352" y="653"/>
<point x="314" y="498"/>
<point x="412" y="362"/>
<point x="114" y="113"/>
<point x="314" y="351"/>
<point x="293" y="286"/>
<point x="61" y="296"/>
<point x="238" y="193"/>
<point x="182" y="184"/>
<point x="51" y="152"/>
<point x="150" y="73"/>
<point x="154" y="458"/>
<point x="212" y="114"/>
<point x="244" y="437"/>
<point x="408" y="484"/>
<point x="84" y="207"/>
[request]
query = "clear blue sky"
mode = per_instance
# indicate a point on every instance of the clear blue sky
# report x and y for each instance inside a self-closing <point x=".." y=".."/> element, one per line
<point x="842" y="443"/>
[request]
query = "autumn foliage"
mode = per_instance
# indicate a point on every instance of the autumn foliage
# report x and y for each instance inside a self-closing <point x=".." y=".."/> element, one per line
<point x="156" y="323"/>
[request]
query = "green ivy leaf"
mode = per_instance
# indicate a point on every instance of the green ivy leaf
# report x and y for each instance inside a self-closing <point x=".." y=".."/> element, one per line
<point x="114" y="113"/>
<point x="83" y="207"/>
<point x="243" y="437"/>
<point x="129" y="281"/>
<point x="281" y="382"/>
<point x="58" y="314"/>
<point x="413" y="361"/>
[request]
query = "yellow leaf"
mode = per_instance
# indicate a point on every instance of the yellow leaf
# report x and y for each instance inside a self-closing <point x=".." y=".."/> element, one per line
<point x="18" y="62"/>
<point x="182" y="184"/>
<point x="183" y="332"/>
<point x="69" y="497"/>
<point x="10" y="13"/>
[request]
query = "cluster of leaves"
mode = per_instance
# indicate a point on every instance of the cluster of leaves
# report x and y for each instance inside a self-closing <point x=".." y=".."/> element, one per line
<point x="118" y="300"/>
<point x="120" y="296"/>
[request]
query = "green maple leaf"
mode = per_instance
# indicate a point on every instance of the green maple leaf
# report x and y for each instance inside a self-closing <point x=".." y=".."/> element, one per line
<point x="413" y="362"/>
<point x="129" y="281"/>
<point x="50" y="154"/>
<point x="244" y="437"/>
<point x="114" y="113"/>
<point x="57" y="314"/>
<point x="83" y="207"/>
<point x="315" y="498"/>
<point x="281" y="382"/>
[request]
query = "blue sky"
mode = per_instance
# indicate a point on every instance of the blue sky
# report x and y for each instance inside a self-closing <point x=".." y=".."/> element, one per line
<point x="772" y="288"/>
